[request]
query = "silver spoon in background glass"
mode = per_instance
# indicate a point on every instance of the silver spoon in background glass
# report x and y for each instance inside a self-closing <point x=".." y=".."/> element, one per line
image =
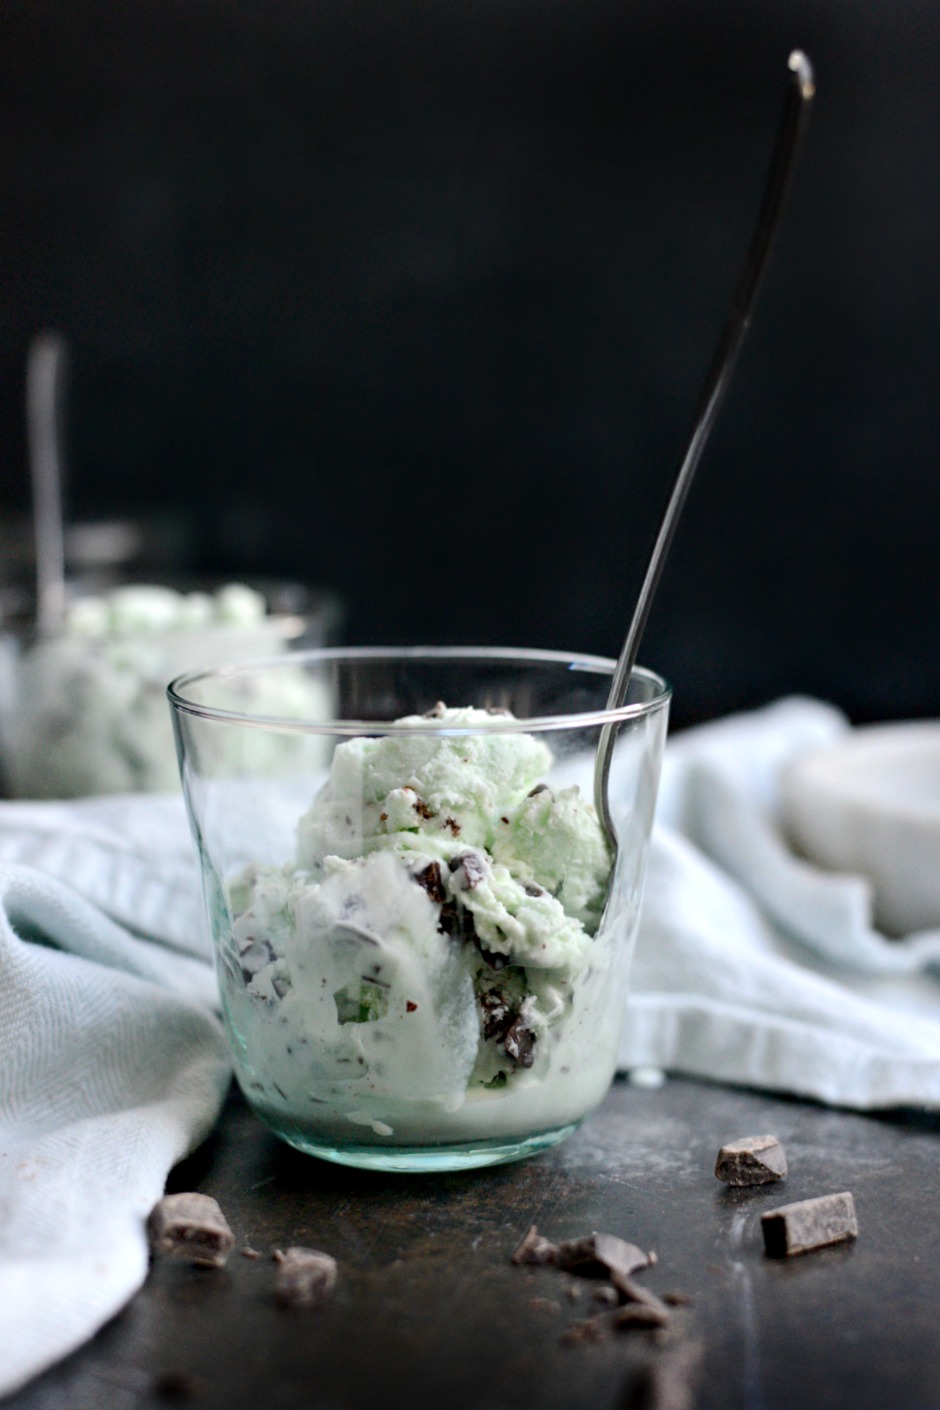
<point x="46" y="369"/>
<point x="800" y="91"/>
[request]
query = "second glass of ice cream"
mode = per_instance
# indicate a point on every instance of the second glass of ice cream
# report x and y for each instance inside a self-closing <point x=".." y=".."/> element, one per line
<point x="421" y="938"/>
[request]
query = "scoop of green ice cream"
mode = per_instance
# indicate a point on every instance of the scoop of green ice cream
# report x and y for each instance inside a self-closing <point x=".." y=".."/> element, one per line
<point x="555" y="841"/>
<point x="443" y="791"/>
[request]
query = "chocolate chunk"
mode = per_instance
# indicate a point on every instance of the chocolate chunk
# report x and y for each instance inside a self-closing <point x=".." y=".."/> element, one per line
<point x="753" y="1160"/>
<point x="641" y="1314"/>
<point x="539" y="788"/>
<point x="470" y="867"/>
<point x="599" y="1255"/>
<point x="305" y="1277"/>
<point x="430" y="879"/>
<point x="497" y="1014"/>
<point x="808" y="1224"/>
<point x="519" y="1043"/>
<point x="533" y="1248"/>
<point x="191" y="1227"/>
<point x="632" y="1291"/>
<point x="532" y="888"/>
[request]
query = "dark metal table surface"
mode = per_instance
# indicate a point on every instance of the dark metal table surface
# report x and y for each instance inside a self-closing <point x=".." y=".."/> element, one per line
<point x="428" y="1309"/>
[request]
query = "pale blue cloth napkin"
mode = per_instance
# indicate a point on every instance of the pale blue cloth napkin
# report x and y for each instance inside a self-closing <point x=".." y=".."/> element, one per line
<point x="112" y="1062"/>
<point x="757" y="968"/>
<point x="751" y="967"/>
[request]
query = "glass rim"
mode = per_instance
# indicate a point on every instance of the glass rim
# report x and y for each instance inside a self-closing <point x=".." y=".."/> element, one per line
<point x="596" y="665"/>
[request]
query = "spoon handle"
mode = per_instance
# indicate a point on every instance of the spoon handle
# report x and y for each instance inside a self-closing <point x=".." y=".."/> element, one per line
<point x="800" y="91"/>
<point x="45" y="376"/>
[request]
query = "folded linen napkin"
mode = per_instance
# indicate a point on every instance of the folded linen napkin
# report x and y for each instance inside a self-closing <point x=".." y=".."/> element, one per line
<point x="751" y="967"/>
<point x="112" y="1068"/>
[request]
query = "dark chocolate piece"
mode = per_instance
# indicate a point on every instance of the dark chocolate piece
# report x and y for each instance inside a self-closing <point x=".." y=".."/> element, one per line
<point x="753" y="1160"/>
<point x="519" y="1043"/>
<point x="632" y="1291"/>
<point x="640" y="1314"/>
<point x="533" y="1248"/>
<point x="471" y="868"/>
<point x="600" y="1255"/>
<point x="191" y="1227"/>
<point x="305" y="1277"/>
<point x="808" y="1224"/>
<point x="430" y="879"/>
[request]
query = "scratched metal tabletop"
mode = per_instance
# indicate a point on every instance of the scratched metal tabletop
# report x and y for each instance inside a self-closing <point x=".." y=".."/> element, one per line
<point x="429" y="1310"/>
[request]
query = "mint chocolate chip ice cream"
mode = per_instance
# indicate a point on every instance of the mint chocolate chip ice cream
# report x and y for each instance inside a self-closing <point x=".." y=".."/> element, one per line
<point x="85" y="711"/>
<point x="428" y="966"/>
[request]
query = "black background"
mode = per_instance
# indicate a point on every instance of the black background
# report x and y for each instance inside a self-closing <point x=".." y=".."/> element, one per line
<point x="413" y="299"/>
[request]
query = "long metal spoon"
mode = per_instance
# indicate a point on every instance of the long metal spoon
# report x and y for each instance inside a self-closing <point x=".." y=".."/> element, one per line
<point x="800" y="91"/>
<point x="45" y="379"/>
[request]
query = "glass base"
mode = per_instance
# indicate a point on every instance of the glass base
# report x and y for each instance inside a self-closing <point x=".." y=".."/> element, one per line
<point x="413" y="1160"/>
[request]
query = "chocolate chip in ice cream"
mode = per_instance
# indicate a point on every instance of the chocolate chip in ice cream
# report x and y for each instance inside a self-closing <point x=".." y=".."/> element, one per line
<point x="468" y="870"/>
<point x="519" y="1042"/>
<point x="190" y="1227"/>
<point x="430" y="879"/>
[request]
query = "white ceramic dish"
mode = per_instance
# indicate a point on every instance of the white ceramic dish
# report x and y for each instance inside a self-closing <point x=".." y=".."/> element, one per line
<point x="870" y="804"/>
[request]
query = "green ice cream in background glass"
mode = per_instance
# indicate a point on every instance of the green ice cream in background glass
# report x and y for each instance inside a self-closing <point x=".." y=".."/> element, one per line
<point x="422" y="940"/>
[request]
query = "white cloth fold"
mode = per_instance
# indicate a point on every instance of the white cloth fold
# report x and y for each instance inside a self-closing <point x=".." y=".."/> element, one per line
<point x="751" y="967"/>
<point x="112" y="1068"/>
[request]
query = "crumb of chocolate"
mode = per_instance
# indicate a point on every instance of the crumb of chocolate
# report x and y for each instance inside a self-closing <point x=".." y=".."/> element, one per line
<point x="590" y="1329"/>
<point x="632" y="1291"/>
<point x="674" y="1298"/>
<point x="192" y="1228"/>
<point x="533" y="1248"/>
<point x="248" y="1252"/>
<point x="751" y="1160"/>
<point x="305" y="1277"/>
<point x="597" y="1255"/>
<point x="640" y="1314"/>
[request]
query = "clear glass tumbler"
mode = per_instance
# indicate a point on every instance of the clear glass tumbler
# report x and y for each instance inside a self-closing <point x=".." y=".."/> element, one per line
<point x="422" y="941"/>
